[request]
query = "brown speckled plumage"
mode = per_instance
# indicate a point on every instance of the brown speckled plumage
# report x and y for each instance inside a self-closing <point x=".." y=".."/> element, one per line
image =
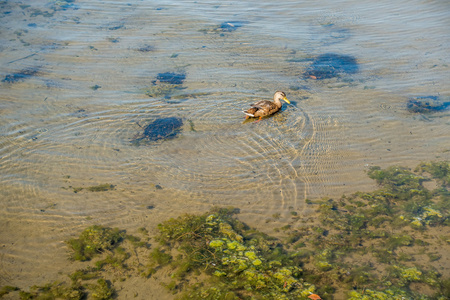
<point x="265" y="107"/>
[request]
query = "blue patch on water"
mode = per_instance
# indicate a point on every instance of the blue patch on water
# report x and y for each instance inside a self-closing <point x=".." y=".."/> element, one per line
<point x="164" y="128"/>
<point x="426" y="104"/>
<point x="231" y="25"/>
<point x="21" y="75"/>
<point x="330" y="65"/>
<point x="171" y="77"/>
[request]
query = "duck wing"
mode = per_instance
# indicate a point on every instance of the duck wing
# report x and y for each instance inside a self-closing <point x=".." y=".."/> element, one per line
<point x="264" y="108"/>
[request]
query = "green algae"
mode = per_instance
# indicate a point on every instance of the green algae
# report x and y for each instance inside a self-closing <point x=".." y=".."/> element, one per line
<point x="383" y="244"/>
<point x="102" y="290"/>
<point x="115" y="260"/>
<point x="84" y="274"/>
<point x="246" y="264"/>
<point x="160" y="257"/>
<point x="164" y="90"/>
<point x="56" y="290"/>
<point x="101" y="187"/>
<point x="358" y="238"/>
<point x="94" y="240"/>
<point x="95" y="188"/>
<point x="112" y="250"/>
<point x="438" y="170"/>
<point x="7" y="289"/>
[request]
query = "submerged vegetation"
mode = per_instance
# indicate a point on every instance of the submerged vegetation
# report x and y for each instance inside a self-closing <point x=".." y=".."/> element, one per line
<point x="94" y="240"/>
<point x="426" y="104"/>
<point x="166" y="84"/>
<point x="94" y="188"/>
<point x="160" y="129"/>
<point x="331" y="65"/>
<point x="21" y="75"/>
<point x="242" y="263"/>
<point x="224" y="28"/>
<point x="387" y="244"/>
<point x="379" y="245"/>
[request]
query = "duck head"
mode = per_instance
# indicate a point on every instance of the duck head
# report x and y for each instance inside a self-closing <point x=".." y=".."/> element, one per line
<point x="279" y="95"/>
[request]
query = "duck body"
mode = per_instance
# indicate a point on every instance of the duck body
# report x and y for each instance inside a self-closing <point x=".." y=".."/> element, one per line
<point x="265" y="107"/>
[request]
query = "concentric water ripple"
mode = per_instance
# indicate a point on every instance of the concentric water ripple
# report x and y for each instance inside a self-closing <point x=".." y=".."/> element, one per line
<point x="77" y="86"/>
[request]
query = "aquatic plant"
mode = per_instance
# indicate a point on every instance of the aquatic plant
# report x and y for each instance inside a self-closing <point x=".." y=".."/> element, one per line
<point x="226" y="249"/>
<point x="166" y="84"/>
<point x="369" y="294"/>
<point x="7" y="289"/>
<point x="231" y="26"/>
<point x="170" y="78"/>
<point x="56" y="290"/>
<point x="160" y="257"/>
<point x="84" y="274"/>
<point x="426" y="104"/>
<point x="115" y="260"/>
<point x="330" y="65"/>
<point x="146" y="48"/>
<point x="94" y="240"/>
<point x="21" y="75"/>
<point x="164" y="90"/>
<point x="367" y="245"/>
<point x="385" y="227"/>
<point x="438" y="170"/>
<point x="399" y="181"/>
<point x="102" y="290"/>
<point x="95" y="188"/>
<point x="101" y="187"/>
<point x="225" y="27"/>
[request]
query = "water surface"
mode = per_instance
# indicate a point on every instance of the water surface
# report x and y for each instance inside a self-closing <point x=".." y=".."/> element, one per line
<point x="78" y="85"/>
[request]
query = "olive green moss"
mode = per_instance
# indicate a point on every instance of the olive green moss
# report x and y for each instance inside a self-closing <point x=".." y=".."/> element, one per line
<point x="100" y="290"/>
<point x="378" y="242"/>
<point x="95" y="188"/>
<point x="438" y="170"/>
<point x="164" y="90"/>
<point x="112" y="249"/>
<point x="56" y="290"/>
<point x="240" y="262"/>
<point x="7" y="289"/>
<point x="94" y="240"/>
<point x="101" y="187"/>
<point x="383" y="244"/>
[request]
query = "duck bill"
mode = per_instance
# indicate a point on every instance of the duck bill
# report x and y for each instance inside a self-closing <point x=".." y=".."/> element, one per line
<point x="286" y="99"/>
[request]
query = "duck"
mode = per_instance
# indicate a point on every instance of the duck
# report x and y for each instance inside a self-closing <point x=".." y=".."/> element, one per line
<point x="265" y="108"/>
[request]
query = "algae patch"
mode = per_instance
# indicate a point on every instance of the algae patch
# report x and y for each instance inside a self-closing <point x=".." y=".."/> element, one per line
<point x="242" y="263"/>
<point x="426" y="104"/>
<point x="331" y="65"/>
<point x="380" y="243"/>
<point x="93" y="240"/>
<point x="21" y="75"/>
<point x="160" y="129"/>
<point x="94" y="188"/>
<point x="386" y="244"/>
<point x="101" y="188"/>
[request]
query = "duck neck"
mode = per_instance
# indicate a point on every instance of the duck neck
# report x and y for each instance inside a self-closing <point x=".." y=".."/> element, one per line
<point x="277" y="102"/>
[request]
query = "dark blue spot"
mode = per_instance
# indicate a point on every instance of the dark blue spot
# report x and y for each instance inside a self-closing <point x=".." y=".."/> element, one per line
<point x="426" y="104"/>
<point x="171" y="77"/>
<point x="231" y="26"/>
<point x="331" y="65"/>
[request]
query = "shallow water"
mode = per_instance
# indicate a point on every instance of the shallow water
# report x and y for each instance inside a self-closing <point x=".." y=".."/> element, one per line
<point x="74" y="93"/>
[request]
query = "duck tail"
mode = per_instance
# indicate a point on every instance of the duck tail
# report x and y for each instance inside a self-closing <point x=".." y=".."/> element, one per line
<point x="248" y="114"/>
